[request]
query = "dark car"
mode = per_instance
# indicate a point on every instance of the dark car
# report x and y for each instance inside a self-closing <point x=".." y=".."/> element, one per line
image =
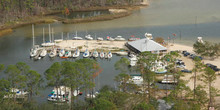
<point x="215" y="68"/>
<point x="186" y="54"/>
<point x="186" y="71"/>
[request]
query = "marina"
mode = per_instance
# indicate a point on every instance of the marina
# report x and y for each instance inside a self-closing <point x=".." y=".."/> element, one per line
<point x="70" y="43"/>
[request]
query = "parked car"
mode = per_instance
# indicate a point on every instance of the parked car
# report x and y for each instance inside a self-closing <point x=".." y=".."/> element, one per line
<point x="186" y="54"/>
<point x="215" y="68"/>
<point x="186" y="71"/>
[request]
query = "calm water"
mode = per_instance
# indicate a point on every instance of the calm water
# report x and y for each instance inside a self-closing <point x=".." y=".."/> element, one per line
<point x="161" y="18"/>
<point x="84" y="14"/>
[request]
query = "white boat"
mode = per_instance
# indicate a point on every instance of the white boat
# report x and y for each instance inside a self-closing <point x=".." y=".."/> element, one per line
<point x="62" y="94"/>
<point x="88" y="37"/>
<point x="119" y="38"/>
<point x="110" y="38"/>
<point x="53" y="53"/>
<point x="86" y="54"/>
<point x="90" y="95"/>
<point x="43" y="53"/>
<point x="49" y="43"/>
<point x="123" y="53"/>
<point x="102" y="54"/>
<point x="35" y="48"/>
<point x="61" y="53"/>
<point x="68" y="53"/>
<point x="169" y="79"/>
<point x="100" y="39"/>
<point x="133" y="60"/>
<point x="17" y="93"/>
<point x="109" y="54"/>
<point x="95" y="54"/>
<point x="159" y="67"/>
<point x="136" y="79"/>
<point x="77" y="37"/>
<point x="76" y="53"/>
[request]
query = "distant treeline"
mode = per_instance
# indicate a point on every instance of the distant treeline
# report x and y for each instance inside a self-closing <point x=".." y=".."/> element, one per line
<point x="14" y="10"/>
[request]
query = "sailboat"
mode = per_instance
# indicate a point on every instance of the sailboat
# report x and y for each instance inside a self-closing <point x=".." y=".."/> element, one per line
<point x="68" y="54"/>
<point x="102" y="54"/>
<point x="109" y="54"/>
<point x="43" y="53"/>
<point x="76" y="53"/>
<point x="88" y="37"/>
<point x="53" y="53"/>
<point x="95" y="54"/>
<point x="61" y="52"/>
<point x="35" y="48"/>
<point x="49" y="43"/>
<point x="86" y="54"/>
<point x="77" y="37"/>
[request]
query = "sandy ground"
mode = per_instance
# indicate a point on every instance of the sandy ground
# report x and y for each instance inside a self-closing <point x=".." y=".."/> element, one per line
<point x="92" y="44"/>
<point x="189" y="65"/>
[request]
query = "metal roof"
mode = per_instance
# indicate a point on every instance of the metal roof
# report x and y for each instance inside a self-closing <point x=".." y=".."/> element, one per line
<point x="146" y="44"/>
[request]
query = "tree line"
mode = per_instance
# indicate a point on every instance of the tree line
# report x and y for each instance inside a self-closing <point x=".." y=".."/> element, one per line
<point x="128" y="96"/>
<point x="15" y="10"/>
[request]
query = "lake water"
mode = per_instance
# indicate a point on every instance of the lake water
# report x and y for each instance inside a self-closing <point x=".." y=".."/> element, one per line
<point x="192" y="18"/>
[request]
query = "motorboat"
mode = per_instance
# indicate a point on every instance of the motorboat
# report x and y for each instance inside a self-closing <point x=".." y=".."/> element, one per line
<point x="61" y="52"/>
<point x="100" y="39"/>
<point x="102" y="54"/>
<point x="119" y="38"/>
<point x="77" y="37"/>
<point x="62" y="94"/>
<point x="159" y="67"/>
<point x="169" y="79"/>
<point x="109" y="54"/>
<point x="16" y="93"/>
<point x="86" y="54"/>
<point x="43" y="53"/>
<point x="88" y="37"/>
<point x="95" y="54"/>
<point x="136" y="79"/>
<point x="76" y="53"/>
<point x="53" y="53"/>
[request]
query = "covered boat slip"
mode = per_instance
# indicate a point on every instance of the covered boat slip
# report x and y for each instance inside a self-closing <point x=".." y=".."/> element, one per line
<point x="144" y="45"/>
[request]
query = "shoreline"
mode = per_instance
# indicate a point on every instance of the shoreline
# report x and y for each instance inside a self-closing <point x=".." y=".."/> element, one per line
<point x="49" y="17"/>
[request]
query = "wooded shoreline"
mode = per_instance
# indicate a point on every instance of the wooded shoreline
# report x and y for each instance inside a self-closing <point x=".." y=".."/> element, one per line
<point x="49" y="17"/>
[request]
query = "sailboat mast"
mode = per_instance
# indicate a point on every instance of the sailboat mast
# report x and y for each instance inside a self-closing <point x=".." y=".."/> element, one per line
<point x="49" y="34"/>
<point x="52" y="36"/>
<point x="43" y="36"/>
<point x="67" y="36"/>
<point x="62" y="35"/>
<point x="33" y="33"/>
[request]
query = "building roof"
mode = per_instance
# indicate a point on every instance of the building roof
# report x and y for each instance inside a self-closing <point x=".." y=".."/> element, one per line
<point x="146" y="44"/>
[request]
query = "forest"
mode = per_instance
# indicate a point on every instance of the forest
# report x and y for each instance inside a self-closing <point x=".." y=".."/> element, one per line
<point x="15" y="10"/>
